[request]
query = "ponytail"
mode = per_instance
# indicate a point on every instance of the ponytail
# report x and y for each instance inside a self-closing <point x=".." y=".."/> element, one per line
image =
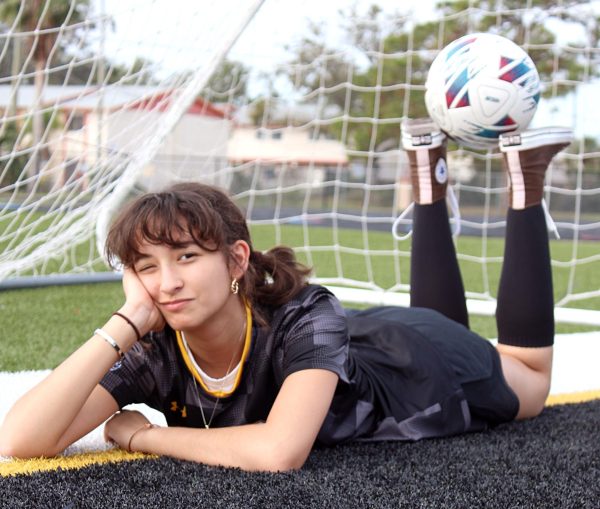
<point x="273" y="278"/>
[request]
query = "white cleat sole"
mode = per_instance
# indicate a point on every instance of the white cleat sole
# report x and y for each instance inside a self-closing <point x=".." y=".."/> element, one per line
<point x="533" y="138"/>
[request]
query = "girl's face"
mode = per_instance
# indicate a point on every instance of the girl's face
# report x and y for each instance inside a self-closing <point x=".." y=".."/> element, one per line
<point x="189" y="285"/>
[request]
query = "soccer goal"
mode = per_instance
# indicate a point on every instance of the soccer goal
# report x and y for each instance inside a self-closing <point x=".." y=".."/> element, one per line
<point x="296" y="111"/>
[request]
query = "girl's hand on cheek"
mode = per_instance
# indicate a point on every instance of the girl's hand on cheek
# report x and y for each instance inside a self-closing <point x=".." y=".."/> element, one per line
<point x="139" y="305"/>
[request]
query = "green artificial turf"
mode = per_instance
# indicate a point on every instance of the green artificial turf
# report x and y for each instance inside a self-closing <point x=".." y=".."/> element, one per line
<point x="39" y="327"/>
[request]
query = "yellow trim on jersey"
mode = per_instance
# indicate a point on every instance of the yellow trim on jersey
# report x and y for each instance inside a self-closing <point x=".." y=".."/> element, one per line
<point x="238" y="377"/>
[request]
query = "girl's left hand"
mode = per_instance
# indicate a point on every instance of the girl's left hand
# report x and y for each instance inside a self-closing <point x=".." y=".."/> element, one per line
<point x="121" y="426"/>
<point x="139" y="305"/>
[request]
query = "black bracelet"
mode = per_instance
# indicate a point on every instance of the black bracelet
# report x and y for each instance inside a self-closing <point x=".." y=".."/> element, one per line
<point x="136" y="330"/>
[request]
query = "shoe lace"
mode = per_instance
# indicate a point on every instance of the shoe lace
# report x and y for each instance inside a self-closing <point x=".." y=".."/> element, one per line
<point x="550" y="223"/>
<point x="454" y="209"/>
<point x="400" y="220"/>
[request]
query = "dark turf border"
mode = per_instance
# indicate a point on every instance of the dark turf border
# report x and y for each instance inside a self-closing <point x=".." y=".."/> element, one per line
<point x="552" y="461"/>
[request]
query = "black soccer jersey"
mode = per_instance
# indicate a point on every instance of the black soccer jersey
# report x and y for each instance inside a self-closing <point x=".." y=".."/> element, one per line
<point x="396" y="380"/>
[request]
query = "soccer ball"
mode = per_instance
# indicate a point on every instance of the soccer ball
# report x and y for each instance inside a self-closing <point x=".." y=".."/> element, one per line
<point x="481" y="86"/>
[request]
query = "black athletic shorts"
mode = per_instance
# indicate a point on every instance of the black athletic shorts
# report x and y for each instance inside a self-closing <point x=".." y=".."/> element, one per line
<point x="476" y="363"/>
<point x="473" y="359"/>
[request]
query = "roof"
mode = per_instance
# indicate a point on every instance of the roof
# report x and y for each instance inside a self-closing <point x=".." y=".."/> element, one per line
<point x="282" y="114"/>
<point x="111" y="97"/>
<point x="295" y="146"/>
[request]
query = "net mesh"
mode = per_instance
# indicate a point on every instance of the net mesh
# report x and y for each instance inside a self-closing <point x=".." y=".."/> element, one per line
<point x="102" y="101"/>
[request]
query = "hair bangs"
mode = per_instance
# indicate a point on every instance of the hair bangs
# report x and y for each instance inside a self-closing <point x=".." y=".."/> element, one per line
<point x="184" y="214"/>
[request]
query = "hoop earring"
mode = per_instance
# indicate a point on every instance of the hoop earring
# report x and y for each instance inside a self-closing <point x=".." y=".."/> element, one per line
<point x="235" y="286"/>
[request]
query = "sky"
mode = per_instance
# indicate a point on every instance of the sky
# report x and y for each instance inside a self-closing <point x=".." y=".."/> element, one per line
<point x="276" y="23"/>
<point x="284" y="20"/>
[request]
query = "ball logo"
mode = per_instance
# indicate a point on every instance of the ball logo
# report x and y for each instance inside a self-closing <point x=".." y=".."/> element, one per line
<point x="441" y="171"/>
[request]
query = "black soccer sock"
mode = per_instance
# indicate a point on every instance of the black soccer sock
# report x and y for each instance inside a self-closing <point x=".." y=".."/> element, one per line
<point x="435" y="280"/>
<point x="525" y="311"/>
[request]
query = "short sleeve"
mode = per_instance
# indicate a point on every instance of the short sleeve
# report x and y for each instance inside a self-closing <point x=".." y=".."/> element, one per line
<point x="131" y="380"/>
<point x="313" y="334"/>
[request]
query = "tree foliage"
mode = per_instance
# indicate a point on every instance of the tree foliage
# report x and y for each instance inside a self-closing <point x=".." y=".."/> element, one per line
<point x="10" y="167"/>
<point x="229" y="83"/>
<point x="40" y="18"/>
<point x="71" y="59"/>
<point x="383" y="74"/>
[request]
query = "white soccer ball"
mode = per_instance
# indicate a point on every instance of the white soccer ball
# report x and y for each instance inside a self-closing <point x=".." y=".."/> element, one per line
<point x="480" y="86"/>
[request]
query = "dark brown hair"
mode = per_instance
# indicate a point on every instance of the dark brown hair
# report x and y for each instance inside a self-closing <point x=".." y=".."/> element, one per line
<point x="214" y="222"/>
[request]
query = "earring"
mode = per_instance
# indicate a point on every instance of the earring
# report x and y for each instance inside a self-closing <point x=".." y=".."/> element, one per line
<point x="235" y="286"/>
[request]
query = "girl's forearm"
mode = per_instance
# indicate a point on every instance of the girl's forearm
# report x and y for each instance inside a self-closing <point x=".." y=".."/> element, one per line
<point x="41" y="417"/>
<point x="249" y="447"/>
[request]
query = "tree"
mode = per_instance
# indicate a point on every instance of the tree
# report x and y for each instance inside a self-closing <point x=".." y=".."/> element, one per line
<point x="228" y="83"/>
<point x="340" y="73"/>
<point x="40" y="18"/>
<point x="10" y="165"/>
<point x="398" y="56"/>
<point x="315" y="65"/>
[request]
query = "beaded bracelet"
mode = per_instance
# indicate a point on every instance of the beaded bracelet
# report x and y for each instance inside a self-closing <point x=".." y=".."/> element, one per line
<point x="136" y="330"/>
<point x="110" y="340"/>
<point x="148" y="425"/>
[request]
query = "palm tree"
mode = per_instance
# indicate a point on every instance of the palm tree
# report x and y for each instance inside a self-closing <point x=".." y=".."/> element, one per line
<point x="39" y="19"/>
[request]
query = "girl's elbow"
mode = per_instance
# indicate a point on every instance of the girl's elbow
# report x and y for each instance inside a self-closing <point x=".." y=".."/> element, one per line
<point x="10" y="449"/>
<point x="15" y="447"/>
<point x="4" y="448"/>
<point x="283" y="459"/>
<point x="8" y="446"/>
<point x="282" y="466"/>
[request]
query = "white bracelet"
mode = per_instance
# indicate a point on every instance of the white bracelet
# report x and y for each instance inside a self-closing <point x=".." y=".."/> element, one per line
<point x="110" y="340"/>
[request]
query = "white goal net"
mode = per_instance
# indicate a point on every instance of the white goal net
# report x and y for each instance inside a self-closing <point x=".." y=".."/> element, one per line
<point x="295" y="109"/>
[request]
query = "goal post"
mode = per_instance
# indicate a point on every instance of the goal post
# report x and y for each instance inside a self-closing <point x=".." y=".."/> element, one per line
<point x="105" y="120"/>
<point x="301" y="127"/>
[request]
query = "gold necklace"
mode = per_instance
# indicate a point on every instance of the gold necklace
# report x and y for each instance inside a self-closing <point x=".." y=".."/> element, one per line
<point x="212" y="415"/>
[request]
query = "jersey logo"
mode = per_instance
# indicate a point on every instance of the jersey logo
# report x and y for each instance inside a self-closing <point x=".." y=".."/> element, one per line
<point x="116" y="366"/>
<point x="176" y="408"/>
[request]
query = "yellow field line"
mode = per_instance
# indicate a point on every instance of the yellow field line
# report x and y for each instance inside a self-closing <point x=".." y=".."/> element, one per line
<point x="575" y="397"/>
<point x="31" y="466"/>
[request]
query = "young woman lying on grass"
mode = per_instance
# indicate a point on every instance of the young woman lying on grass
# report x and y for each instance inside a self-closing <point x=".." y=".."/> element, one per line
<point x="251" y="365"/>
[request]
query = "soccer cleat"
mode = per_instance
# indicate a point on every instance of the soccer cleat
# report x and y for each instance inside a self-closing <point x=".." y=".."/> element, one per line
<point x="526" y="157"/>
<point x="425" y="145"/>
